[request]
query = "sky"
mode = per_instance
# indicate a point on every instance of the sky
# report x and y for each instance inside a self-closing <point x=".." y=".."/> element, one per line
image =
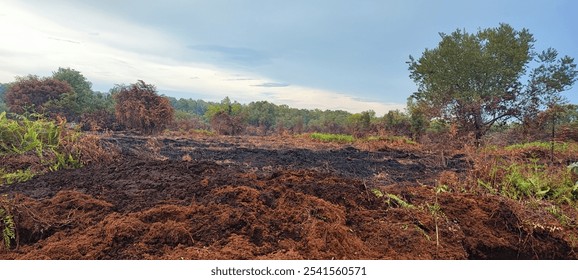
<point x="325" y="54"/>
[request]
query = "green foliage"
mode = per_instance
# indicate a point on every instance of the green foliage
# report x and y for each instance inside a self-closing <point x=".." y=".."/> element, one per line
<point x="557" y="212"/>
<point x="80" y="85"/>
<point x="328" y="121"/>
<point x="378" y="193"/>
<point x="400" y="123"/>
<point x="24" y="135"/>
<point x="360" y="123"/>
<point x="227" y="117"/>
<point x="327" y="137"/>
<point x="418" y="118"/>
<point x="558" y="147"/>
<point x="83" y="99"/>
<point x="262" y="114"/>
<point x="43" y="138"/>
<point x="531" y="180"/>
<point x="475" y="80"/>
<point x="225" y="106"/>
<point x="393" y="199"/>
<point x="194" y="107"/>
<point x="15" y="177"/>
<point x="6" y="225"/>
<point x="438" y="126"/>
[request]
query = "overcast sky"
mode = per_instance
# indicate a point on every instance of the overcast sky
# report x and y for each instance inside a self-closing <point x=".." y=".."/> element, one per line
<point x="348" y="55"/>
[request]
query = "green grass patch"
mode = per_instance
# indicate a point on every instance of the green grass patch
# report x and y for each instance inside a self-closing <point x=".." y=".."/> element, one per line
<point x="328" y="137"/>
<point x="541" y="145"/>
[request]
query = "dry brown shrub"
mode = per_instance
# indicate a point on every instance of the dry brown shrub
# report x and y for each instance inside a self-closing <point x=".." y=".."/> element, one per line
<point x="187" y="157"/>
<point x="139" y="107"/>
<point x="226" y="124"/>
<point x="91" y="151"/>
<point x="30" y="94"/>
<point x="154" y="145"/>
<point x="100" y="120"/>
<point x="185" y="125"/>
<point x="450" y="179"/>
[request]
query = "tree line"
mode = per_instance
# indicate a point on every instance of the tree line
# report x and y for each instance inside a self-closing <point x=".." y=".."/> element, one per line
<point x="471" y="83"/>
<point x="68" y="94"/>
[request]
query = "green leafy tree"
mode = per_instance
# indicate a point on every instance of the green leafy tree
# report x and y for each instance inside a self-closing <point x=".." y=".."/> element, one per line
<point x="329" y="121"/>
<point x="475" y="80"/>
<point x="296" y="120"/>
<point x="226" y="117"/>
<point x="262" y="114"/>
<point x="397" y="122"/>
<point x="83" y="99"/>
<point x="418" y="118"/>
<point x="75" y="79"/>
<point x="194" y="107"/>
<point x="360" y="123"/>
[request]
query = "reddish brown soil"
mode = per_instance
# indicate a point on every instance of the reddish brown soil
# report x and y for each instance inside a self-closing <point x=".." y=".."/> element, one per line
<point x="264" y="198"/>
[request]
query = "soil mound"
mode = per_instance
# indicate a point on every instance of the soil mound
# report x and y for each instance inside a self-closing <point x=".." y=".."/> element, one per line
<point x="228" y="203"/>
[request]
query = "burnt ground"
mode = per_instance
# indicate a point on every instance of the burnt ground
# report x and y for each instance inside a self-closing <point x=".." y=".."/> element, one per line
<point x="273" y="198"/>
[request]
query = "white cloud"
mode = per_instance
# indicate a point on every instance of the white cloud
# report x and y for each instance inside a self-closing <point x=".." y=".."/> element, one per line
<point x="110" y="50"/>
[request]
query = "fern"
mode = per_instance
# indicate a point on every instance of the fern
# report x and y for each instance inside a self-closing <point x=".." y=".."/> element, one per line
<point x="400" y="202"/>
<point x="8" y="228"/>
<point x="15" y="177"/>
<point x="377" y="193"/>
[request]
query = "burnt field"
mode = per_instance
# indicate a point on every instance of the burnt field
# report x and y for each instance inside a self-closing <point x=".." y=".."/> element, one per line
<point x="210" y="197"/>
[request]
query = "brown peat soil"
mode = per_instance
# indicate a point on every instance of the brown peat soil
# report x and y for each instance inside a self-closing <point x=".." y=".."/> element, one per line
<point x="211" y="197"/>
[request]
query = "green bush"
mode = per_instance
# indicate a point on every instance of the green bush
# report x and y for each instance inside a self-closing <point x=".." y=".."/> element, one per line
<point x="41" y="138"/>
<point x="338" y="138"/>
<point x="558" y="147"/>
<point x="7" y="227"/>
<point x="531" y="180"/>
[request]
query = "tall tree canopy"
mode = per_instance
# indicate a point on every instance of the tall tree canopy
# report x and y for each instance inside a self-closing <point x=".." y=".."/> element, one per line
<point x="82" y="100"/>
<point x="476" y="79"/>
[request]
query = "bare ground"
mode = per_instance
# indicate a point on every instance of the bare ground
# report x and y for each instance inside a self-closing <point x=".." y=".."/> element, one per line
<point x="273" y="198"/>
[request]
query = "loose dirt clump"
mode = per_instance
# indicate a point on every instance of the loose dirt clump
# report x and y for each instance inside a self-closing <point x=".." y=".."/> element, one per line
<point x="231" y="199"/>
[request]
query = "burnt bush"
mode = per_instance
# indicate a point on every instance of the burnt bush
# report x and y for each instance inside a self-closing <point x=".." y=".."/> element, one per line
<point x="34" y="95"/>
<point x="139" y="107"/>
<point x="99" y="120"/>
